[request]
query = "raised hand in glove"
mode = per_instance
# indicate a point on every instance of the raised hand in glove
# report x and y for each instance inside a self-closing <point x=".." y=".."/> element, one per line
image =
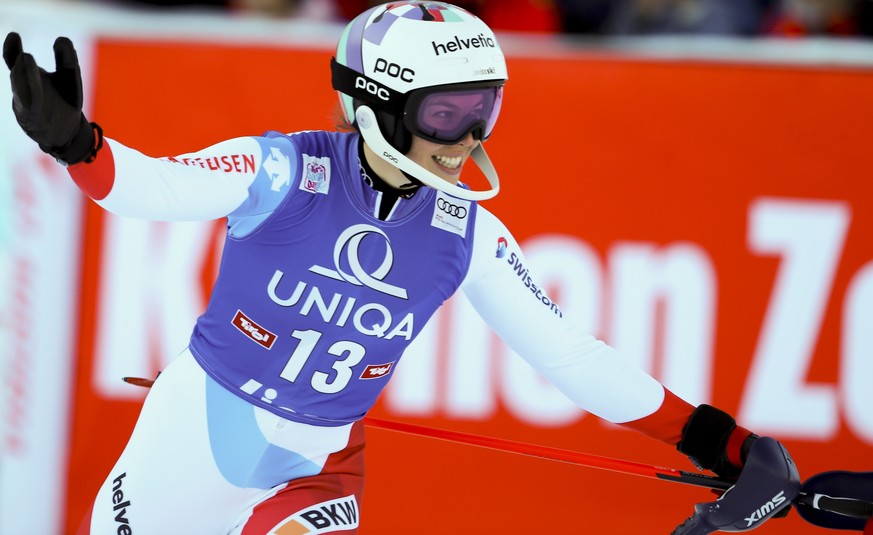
<point x="48" y="105"/>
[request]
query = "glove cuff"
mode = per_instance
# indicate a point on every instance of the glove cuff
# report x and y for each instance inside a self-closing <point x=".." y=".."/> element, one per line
<point x="83" y="146"/>
<point x="713" y="441"/>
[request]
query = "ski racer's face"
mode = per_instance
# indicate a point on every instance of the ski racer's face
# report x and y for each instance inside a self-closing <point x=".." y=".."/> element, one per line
<point x="445" y="161"/>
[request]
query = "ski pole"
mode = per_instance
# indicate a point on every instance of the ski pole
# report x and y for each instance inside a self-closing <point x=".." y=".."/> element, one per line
<point x="852" y="510"/>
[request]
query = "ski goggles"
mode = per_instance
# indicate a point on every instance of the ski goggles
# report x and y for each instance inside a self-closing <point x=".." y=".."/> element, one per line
<point x="443" y="114"/>
<point x="447" y="114"/>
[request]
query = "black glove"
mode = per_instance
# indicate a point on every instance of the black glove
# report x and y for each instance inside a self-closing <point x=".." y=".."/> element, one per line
<point x="767" y="485"/>
<point x="706" y="439"/>
<point x="48" y="106"/>
<point x="707" y="436"/>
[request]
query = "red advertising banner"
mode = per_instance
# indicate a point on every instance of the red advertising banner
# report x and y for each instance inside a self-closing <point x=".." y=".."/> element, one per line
<point x="713" y="221"/>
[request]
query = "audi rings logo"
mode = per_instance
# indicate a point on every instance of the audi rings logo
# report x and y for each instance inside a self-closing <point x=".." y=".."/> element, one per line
<point x="452" y="209"/>
<point x="347" y="248"/>
<point x="451" y="214"/>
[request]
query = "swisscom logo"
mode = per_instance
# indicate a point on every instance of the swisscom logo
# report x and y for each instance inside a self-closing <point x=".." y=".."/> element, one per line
<point x="501" y="247"/>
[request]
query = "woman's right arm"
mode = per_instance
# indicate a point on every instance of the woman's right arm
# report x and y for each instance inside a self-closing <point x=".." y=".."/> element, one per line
<point x="235" y="176"/>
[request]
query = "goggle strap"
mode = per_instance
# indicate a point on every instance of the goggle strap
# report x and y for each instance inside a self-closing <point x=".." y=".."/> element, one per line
<point x="359" y="86"/>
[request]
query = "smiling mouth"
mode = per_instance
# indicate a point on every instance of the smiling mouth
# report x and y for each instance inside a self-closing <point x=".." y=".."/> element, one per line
<point x="449" y="162"/>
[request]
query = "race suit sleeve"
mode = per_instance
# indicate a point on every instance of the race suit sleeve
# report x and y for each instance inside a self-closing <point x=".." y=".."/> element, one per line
<point x="241" y="177"/>
<point x="502" y="289"/>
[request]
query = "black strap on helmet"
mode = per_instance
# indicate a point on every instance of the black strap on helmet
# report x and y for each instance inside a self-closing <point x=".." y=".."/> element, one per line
<point x="361" y="87"/>
<point x="387" y="103"/>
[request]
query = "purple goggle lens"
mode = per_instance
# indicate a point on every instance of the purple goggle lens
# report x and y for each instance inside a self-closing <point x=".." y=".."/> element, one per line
<point x="447" y="116"/>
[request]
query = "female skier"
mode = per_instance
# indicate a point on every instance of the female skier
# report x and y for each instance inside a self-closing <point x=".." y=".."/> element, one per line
<point x="340" y="247"/>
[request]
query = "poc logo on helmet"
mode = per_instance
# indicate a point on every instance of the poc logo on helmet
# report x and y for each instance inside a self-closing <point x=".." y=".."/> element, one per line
<point x="372" y="88"/>
<point x="394" y="70"/>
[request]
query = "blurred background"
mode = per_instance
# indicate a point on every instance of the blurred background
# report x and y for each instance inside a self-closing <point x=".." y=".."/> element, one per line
<point x="690" y="180"/>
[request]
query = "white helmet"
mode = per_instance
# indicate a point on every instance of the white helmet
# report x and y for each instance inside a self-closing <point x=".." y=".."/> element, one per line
<point x="425" y="68"/>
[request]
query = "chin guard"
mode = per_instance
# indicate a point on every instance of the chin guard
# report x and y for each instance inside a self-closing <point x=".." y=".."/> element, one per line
<point x="369" y="128"/>
<point x="768" y="484"/>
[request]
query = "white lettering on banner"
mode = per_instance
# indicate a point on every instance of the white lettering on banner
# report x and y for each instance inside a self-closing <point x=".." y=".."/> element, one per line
<point x="808" y="236"/>
<point x="574" y="269"/>
<point x="458" y="368"/>
<point x="680" y="278"/>
<point x="469" y="390"/>
<point x="414" y="385"/>
<point x="149" y="297"/>
<point x="857" y="362"/>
